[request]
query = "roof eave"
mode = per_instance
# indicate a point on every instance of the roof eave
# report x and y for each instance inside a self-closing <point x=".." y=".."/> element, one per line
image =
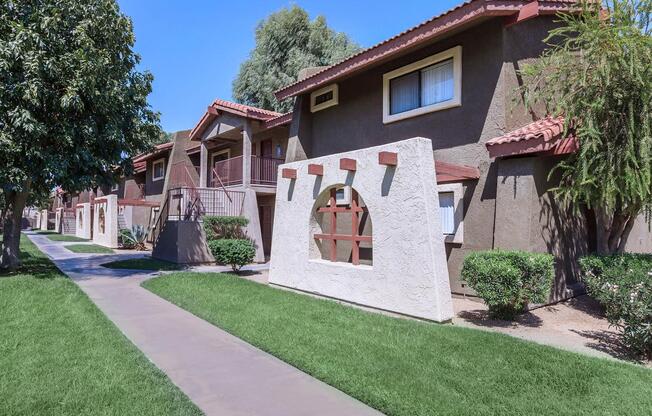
<point x="426" y="32"/>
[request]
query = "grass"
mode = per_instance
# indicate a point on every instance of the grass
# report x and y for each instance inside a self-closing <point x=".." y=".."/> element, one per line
<point x="60" y="355"/>
<point x="143" y="263"/>
<point x="63" y="237"/>
<point x="88" y="248"/>
<point x="406" y="367"/>
<point x="45" y="232"/>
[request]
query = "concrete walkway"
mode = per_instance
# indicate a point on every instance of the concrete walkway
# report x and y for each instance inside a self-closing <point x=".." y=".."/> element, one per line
<point x="220" y="373"/>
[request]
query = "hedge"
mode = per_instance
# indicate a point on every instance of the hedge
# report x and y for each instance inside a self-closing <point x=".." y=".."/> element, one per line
<point x="622" y="283"/>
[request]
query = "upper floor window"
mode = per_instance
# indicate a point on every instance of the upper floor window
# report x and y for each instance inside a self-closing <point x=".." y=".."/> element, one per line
<point x="431" y="84"/>
<point x="323" y="98"/>
<point x="158" y="170"/>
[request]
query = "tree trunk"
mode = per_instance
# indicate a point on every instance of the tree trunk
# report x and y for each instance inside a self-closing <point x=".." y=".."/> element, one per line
<point x="12" y="219"/>
<point x="612" y="230"/>
<point x="602" y="231"/>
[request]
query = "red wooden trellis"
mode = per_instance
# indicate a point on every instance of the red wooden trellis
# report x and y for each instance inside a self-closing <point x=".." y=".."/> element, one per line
<point x="332" y="237"/>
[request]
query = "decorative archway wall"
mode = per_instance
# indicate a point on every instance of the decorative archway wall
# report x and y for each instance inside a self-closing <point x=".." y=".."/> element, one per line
<point x="83" y="223"/>
<point x="44" y="220"/>
<point x="397" y="182"/>
<point x="105" y="221"/>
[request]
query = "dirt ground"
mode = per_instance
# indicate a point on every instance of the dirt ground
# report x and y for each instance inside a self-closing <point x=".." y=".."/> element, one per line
<point x="577" y="324"/>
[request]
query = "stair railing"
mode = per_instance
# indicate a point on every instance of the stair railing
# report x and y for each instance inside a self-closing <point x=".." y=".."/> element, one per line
<point x="217" y="176"/>
<point x="162" y="218"/>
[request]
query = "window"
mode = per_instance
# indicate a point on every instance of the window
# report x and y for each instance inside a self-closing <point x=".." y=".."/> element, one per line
<point x="158" y="170"/>
<point x="343" y="195"/>
<point x="431" y="84"/>
<point x="114" y="187"/>
<point x="451" y="210"/>
<point x="447" y="211"/>
<point x="324" y="98"/>
<point x="279" y="151"/>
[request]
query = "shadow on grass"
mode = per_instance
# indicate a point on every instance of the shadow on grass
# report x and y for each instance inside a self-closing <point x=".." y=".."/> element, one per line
<point x="36" y="266"/>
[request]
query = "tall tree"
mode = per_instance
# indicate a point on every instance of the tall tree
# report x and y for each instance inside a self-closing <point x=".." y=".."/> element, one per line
<point x="72" y="104"/>
<point x="287" y="42"/>
<point x="597" y="74"/>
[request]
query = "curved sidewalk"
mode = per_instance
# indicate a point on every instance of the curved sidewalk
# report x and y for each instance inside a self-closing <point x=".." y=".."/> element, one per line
<point x="220" y="373"/>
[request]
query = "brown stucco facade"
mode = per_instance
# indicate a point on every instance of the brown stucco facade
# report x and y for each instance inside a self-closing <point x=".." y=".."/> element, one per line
<point x="510" y="205"/>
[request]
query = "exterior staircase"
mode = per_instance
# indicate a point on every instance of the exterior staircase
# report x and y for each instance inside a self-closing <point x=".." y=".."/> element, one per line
<point x="122" y="223"/>
<point x="68" y="225"/>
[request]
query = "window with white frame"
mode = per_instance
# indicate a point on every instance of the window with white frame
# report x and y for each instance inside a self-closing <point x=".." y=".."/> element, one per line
<point x="431" y="84"/>
<point x="451" y="210"/>
<point x="158" y="170"/>
<point x="447" y="211"/>
<point x="324" y="98"/>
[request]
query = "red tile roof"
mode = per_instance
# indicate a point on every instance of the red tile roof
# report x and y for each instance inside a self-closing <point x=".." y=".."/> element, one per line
<point x="247" y="110"/>
<point x="241" y="110"/>
<point x="281" y="120"/>
<point x="548" y="128"/>
<point x="429" y="30"/>
<point x="539" y="136"/>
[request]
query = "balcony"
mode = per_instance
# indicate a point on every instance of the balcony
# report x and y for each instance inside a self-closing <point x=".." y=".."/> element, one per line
<point x="230" y="171"/>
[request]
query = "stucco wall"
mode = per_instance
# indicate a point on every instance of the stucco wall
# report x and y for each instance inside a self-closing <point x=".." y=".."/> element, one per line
<point x="105" y="233"/>
<point x="529" y="217"/>
<point x="83" y="228"/>
<point x="409" y="273"/>
<point x="153" y="189"/>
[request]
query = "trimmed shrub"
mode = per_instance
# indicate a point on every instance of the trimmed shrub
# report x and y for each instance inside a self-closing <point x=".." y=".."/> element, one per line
<point x="509" y="280"/>
<point x="217" y="227"/>
<point x="234" y="252"/>
<point x="622" y="283"/>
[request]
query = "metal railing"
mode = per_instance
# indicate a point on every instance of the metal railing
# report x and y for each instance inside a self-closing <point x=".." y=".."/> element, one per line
<point x="230" y="171"/>
<point x="190" y="204"/>
<point x="263" y="170"/>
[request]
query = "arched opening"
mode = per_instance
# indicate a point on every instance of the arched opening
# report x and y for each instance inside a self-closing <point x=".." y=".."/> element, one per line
<point x="340" y="227"/>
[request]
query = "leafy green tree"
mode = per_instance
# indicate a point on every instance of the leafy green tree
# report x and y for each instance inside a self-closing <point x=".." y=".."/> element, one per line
<point x="72" y="104"/>
<point x="597" y="74"/>
<point x="287" y="42"/>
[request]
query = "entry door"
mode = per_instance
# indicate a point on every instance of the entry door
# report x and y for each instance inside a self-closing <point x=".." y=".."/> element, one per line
<point x="266" y="148"/>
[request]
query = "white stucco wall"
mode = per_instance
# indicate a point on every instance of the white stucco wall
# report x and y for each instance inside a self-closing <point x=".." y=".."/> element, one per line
<point x="44" y="220"/>
<point x="58" y="226"/>
<point x="83" y="211"/>
<point x="409" y="274"/>
<point x="109" y="236"/>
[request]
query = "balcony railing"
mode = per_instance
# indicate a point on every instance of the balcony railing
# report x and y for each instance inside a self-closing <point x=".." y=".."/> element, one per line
<point x="230" y="171"/>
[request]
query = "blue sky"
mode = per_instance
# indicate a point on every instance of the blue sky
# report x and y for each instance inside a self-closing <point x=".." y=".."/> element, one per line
<point x="194" y="48"/>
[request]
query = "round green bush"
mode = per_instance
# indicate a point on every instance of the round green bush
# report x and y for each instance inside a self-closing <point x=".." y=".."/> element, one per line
<point x="234" y="252"/>
<point x="509" y="280"/>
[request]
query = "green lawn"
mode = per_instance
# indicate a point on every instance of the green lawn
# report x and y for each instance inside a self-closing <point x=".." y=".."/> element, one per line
<point x="88" y="248"/>
<point x="46" y="232"/>
<point x="59" y="355"/>
<point x="143" y="263"/>
<point x="63" y="237"/>
<point x="406" y="367"/>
